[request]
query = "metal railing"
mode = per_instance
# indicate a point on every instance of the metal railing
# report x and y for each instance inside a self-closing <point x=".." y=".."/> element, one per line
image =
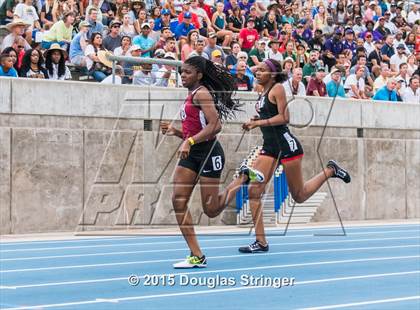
<point x="139" y="60"/>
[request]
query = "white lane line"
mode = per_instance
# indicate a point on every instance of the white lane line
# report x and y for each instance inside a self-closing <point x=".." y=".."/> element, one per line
<point x="363" y="303"/>
<point x="210" y="291"/>
<point x="201" y="241"/>
<point x="331" y="250"/>
<point x="116" y="237"/>
<point x="217" y="271"/>
<point x="204" y="248"/>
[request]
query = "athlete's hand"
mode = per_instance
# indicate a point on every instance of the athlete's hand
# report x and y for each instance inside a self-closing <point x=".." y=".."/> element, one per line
<point x="251" y="124"/>
<point x="167" y="129"/>
<point x="184" y="149"/>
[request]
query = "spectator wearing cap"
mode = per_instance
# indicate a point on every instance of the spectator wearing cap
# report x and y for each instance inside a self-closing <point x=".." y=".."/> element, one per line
<point x="129" y="68"/>
<point x="368" y="43"/>
<point x="287" y="18"/>
<point x="113" y="39"/>
<point x="199" y="49"/>
<point x="298" y="34"/>
<point x="182" y="30"/>
<point x="211" y="46"/>
<point x="316" y="86"/>
<point x="95" y="25"/>
<point x="383" y="78"/>
<point x="387" y="49"/>
<point x="186" y="8"/>
<point x="167" y="75"/>
<point x="411" y="94"/>
<point x="79" y="44"/>
<point x="232" y="59"/>
<point x="55" y="63"/>
<point x="248" y="36"/>
<point x="381" y="29"/>
<point x="143" y="40"/>
<point x="294" y="86"/>
<point x="170" y="5"/>
<point x="390" y="25"/>
<point x="387" y="92"/>
<point x="163" y="21"/>
<point x="398" y="58"/>
<point x="17" y="29"/>
<point x="258" y="21"/>
<point x="332" y="48"/>
<point x="375" y="57"/>
<point x="398" y="40"/>
<point x="216" y="57"/>
<point x="273" y="51"/>
<point x="358" y="25"/>
<point x="288" y="66"/>
<point x="219" y="24"/>
<point x="256" y="55"/>
<point x="348" y="43"/>
<point x="61" y="32"/>
<point x="311" y="67"/>
<point x="355" y="83"/>
<point x="334" y="86"/>
<point x="123" y="49"/>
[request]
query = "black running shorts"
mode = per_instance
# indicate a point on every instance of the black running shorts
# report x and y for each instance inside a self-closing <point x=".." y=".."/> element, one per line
<point x="207" y="159"/>
<point x="284" y="146"/>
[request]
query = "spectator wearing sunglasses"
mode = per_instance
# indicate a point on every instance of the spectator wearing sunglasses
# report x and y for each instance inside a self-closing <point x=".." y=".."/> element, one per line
<point x="113" y="39"/>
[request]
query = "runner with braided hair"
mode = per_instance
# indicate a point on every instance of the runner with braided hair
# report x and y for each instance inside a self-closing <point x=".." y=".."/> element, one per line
<point x="209" y="101"/>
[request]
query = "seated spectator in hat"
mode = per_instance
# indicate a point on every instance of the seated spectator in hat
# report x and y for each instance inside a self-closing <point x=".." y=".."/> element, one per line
<point x="212" y="45"/>
<point x="190" y="44"/>
<point x="399" y="40"/>
<point x="186" y="8"/>
<point x="124" y="48"/>
<point x="95" y="25"/>
<point x="78" y="45"/>
<point x="411" y="94"/>
<point x="199" y="49"/>
<point x="248" y="36"/>
<point x="368" y="43"/>
<point x="94" y="65"/>
<point x="118" y="79"/>
<point x="349" y="43"/>
<point x="387" y="92"/>
<point x="294" y="86"/>
<point x="60" y="33"/>
<point x="273" y="51"/>
<point x="33" y="65"/>
<point x="27" y="12"/>
<point x="382" y="79"/>
<point x="232" y="59"/>
<point x="219" y="24"/>
<point x="17" y="29"/>
<point x="113" y="39"/>
<point x="166" y="33"/>
<point x="55" y="63"/>
<point x="355" y="84"/>
<point x="370" y="28"/>
<point x="298" y="34"/>
<point x="163" y="21"/>
<point x="256" y="55"/>
<point x="287" y="18"/>
<point x="143" y="40"/>
<point x="182" y="30"/>
<point x="127" y="28"/>
<point x="6" y="66"/>
<point x="381" y="30"/>
<point x="311" y="66"/>
<point x="167" y="75"/>
<point x="242" y="81"/>
<point x="288" y="66"/>
<point x="144" y="76"/>
<point x="271" y="28"/>
<point x="316" y="86"/>
<point x="335" y="87"/>
<point x="136" y="7"/>
<point x="397" y="59"/>
<point x="216" y="57"/>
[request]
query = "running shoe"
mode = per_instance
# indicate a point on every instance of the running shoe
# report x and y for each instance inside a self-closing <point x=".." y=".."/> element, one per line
<point x="253" y="174"/>
<point x="192" y="261"/>
<point x="339" y="172"/>
<point x="255" y="247"/>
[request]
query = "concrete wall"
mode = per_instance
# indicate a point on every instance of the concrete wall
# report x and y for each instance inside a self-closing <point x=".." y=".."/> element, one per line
<point x="81" y="156"/>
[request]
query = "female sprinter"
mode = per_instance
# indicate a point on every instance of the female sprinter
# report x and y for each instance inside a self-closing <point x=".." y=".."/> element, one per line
<point x="201" y="155"/>
<point x="280" y="146"/>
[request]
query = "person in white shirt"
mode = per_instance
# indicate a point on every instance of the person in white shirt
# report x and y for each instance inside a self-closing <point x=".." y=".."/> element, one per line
<point x="167" y="75"/>
<point x="28" y="13"/>
<point x="412" y="93"/>
<point x="398" y="58"/>
<point x="55" y="63"/>
<point x="294" y="85"/>
<point x="119" y="74"/>
<point x="414" y="15"/>
<point x="403" y="76"/>
<point x="273" y="52"/>
<point x="355" y="84"/>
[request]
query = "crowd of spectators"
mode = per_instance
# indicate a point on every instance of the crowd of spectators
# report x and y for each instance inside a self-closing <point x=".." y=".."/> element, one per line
<point x="356" y="49"/>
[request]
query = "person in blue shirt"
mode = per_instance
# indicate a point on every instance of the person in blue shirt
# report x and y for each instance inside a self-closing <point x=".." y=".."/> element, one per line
<point x="182" y="30"/>
<point x="334" y="87"/>
<point x="388" y="92"/>
<point x="95" y="26"/>
<point x="163" y="21"/>
<point x="332" y="48"/>
<point x="146" y="44"/>
<point x="348" y="43"/>
<point x="6" y="66"/>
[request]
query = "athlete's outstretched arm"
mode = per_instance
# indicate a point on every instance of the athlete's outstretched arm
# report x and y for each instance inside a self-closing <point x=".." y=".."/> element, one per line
<point x="168" y="130"/>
